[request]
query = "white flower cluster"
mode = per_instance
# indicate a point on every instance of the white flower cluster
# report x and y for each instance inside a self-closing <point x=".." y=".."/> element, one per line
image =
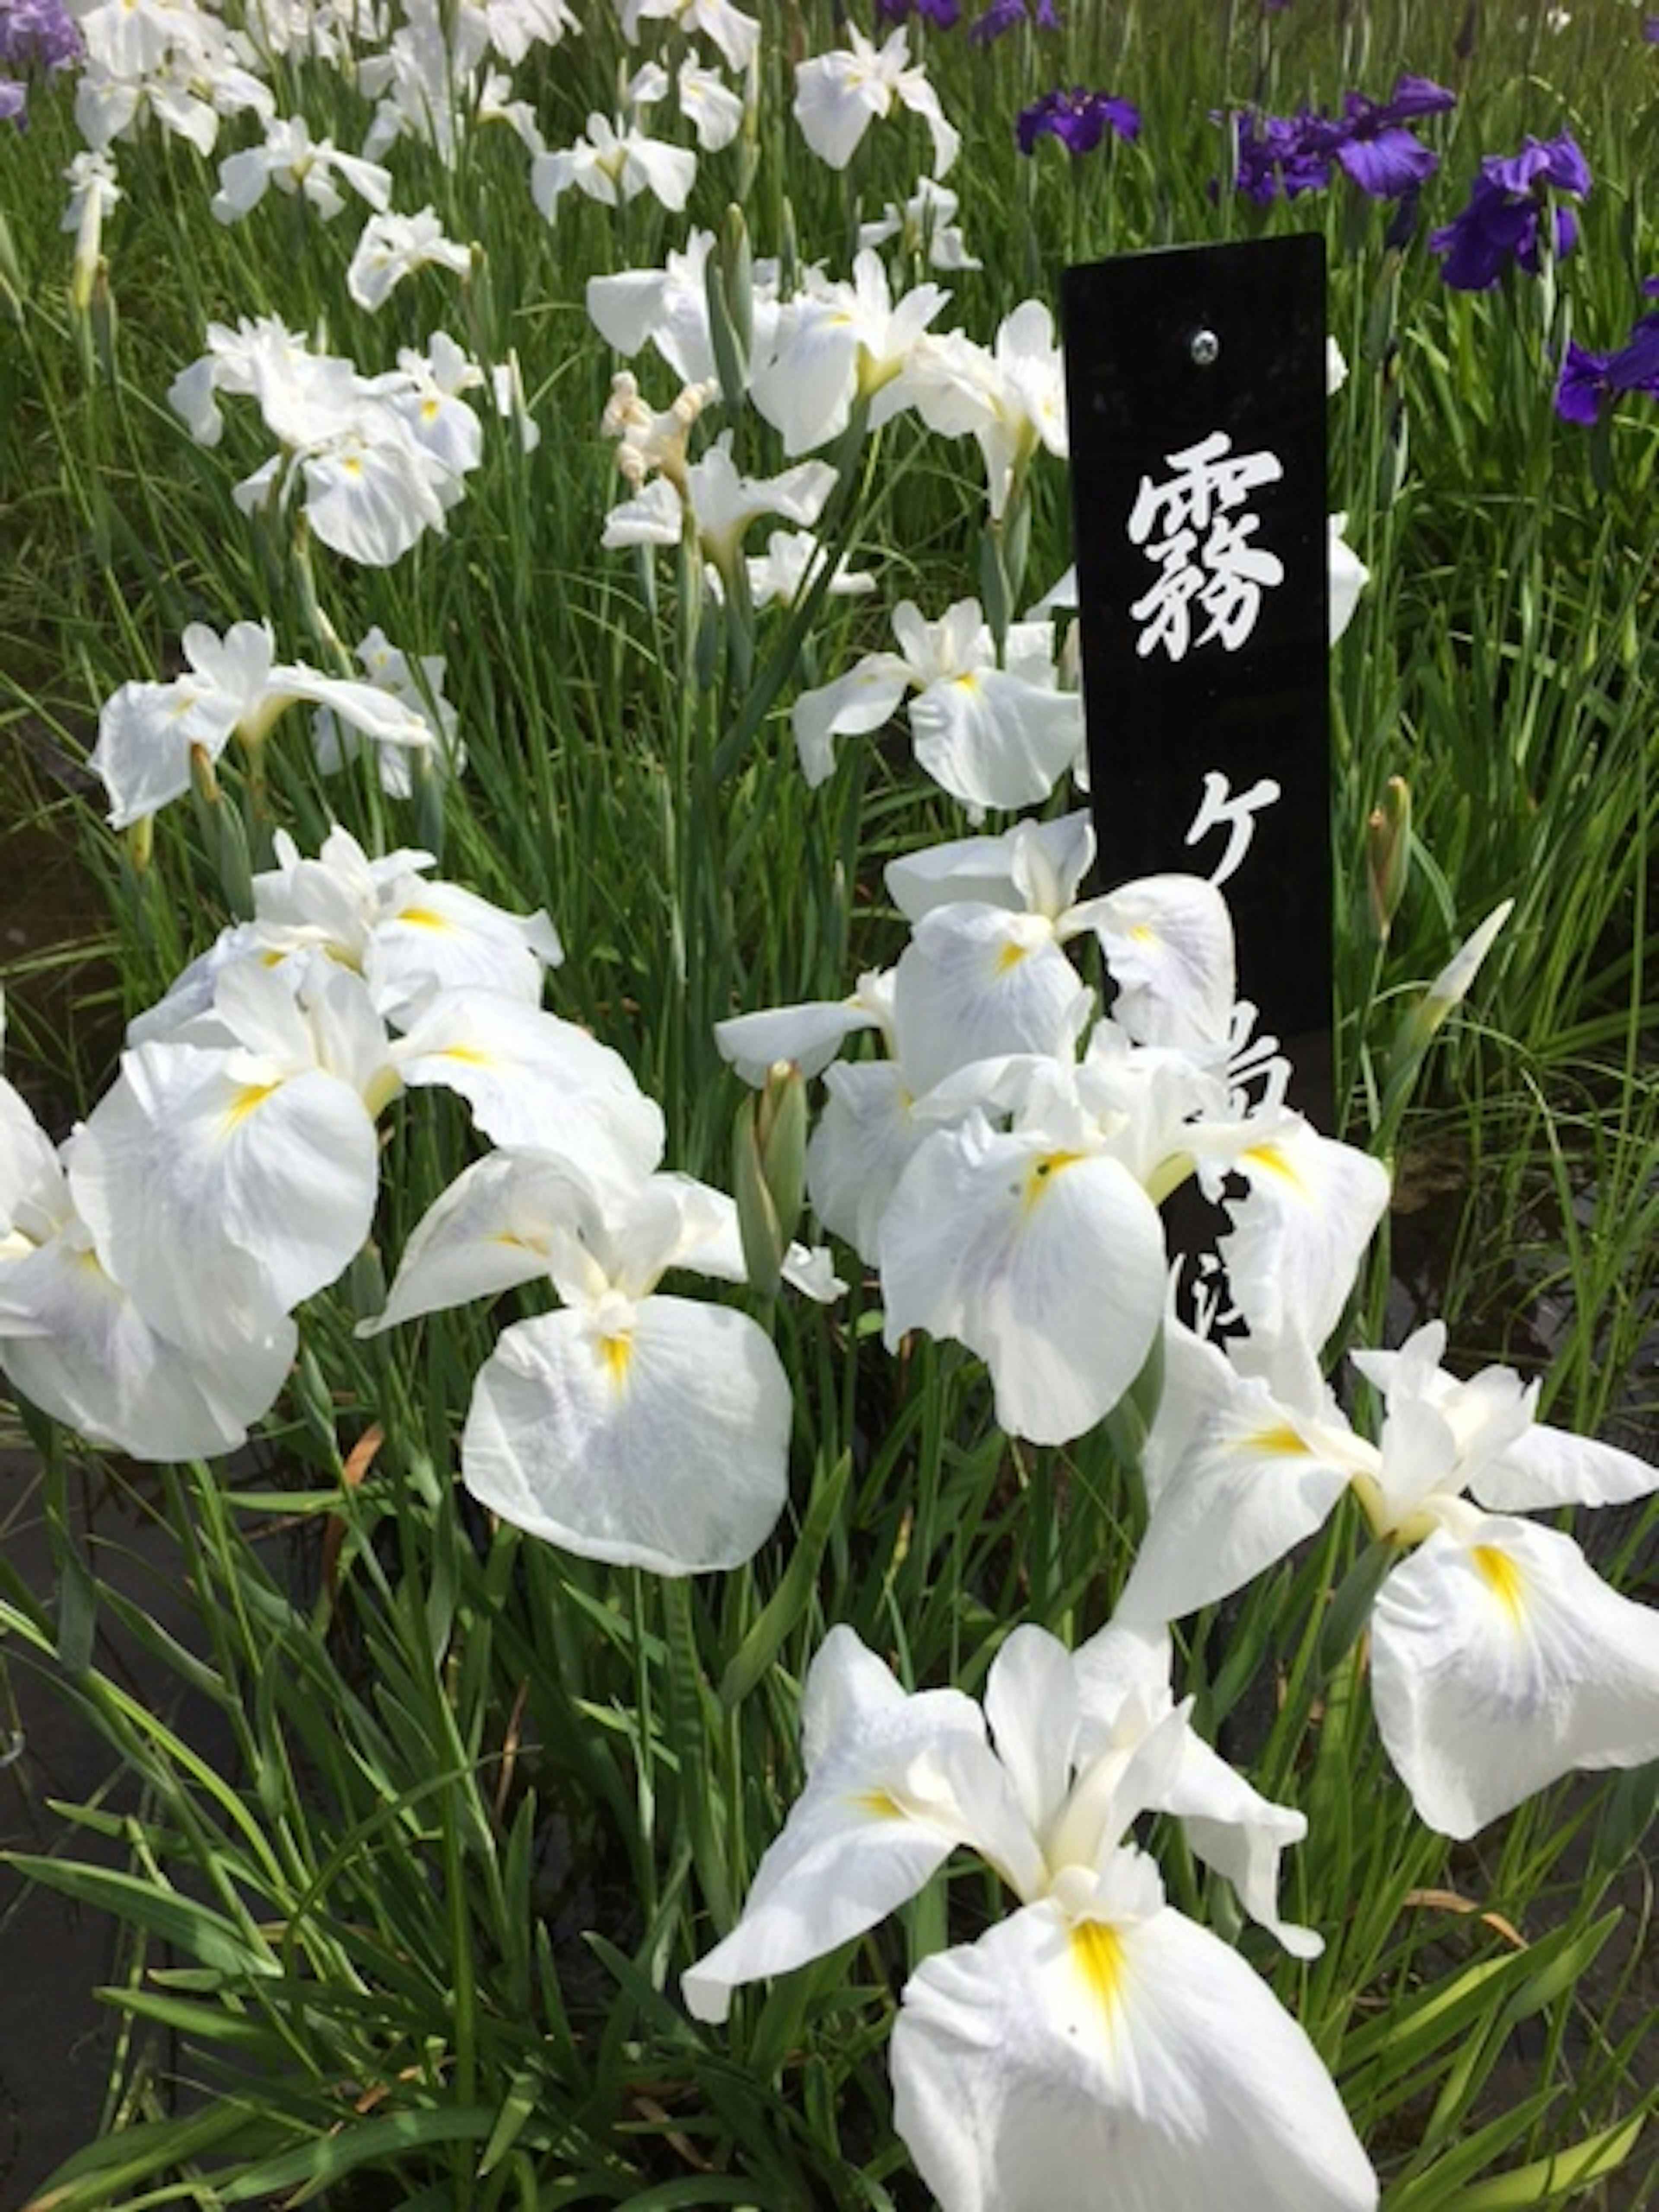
<point x="376" y="461"/>
<point x="1002" y="1164"/>
<point x="150" y="1267"/>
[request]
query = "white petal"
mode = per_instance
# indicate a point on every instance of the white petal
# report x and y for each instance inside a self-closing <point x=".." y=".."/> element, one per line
<point x="1252" y="1481"/>
<point x="1552" y="1467"/>
<point x="1169" y="944"/>
<point x="1299" y="1234"/>
<point x="429" y="937"/>
<point x="882" y="1811"/>
<point x="1036" y="865"/>
<point x="1050" y="1266"/>
<point x="1500" y="1664"/>
<point x="861" y="699"/>
<point x="536" y="1082"/>
<point x="1059" y="2067"/>
<point x="1242" y="1834"/>
<point x="663" y="1445"/>
<point x="977" y="981"/>
<point x="29" y="1173"/>
<point x="73" y="1342"/>
<point x="809" y="1036"/>
<point x="488" y="1232"/>
<point x="1349" y="577"/>
<point x="992" y="740"/>
<point x="221" y="1196"/>
<point x="831" y="109"/>
<point x="1031" y="1703"/>
<point x="145" y="735"/>
<point x="865" y="1139"/>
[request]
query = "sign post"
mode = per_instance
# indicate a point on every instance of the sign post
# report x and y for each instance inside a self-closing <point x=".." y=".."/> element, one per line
<point x="1196" y="403"/>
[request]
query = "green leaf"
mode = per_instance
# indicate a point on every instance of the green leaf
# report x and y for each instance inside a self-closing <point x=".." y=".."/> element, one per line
<point x="381" y="2140"/>
<point x="140" y="1902"/>
<point x="787" y="1605"/>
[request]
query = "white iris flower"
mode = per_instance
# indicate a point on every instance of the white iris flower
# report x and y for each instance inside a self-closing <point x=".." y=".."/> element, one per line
<point x="1097" y="2039"/>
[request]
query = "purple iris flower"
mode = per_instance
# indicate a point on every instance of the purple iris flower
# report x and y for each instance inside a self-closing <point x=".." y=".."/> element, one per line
<point x="1369" y="142"/>
<point x="1007" y="16"/>
<point x="13" y="103"/>
<point x="945" y="13"/>
<point x="1650" y="29"/>
<point x="1278" y="154"/>
<point x="1373" y="145"/>
<point x="1590" y="382"/>
<point x="38" y="32"/>
<point x="1506" y="208"/>
<point x="1077" y="118"/>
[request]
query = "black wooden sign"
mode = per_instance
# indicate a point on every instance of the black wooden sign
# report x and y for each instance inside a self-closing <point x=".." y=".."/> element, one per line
<point x="1196" y="397"/>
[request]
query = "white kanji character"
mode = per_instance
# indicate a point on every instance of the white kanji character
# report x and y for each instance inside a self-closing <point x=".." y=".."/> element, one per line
<point x="1218" y="810"/>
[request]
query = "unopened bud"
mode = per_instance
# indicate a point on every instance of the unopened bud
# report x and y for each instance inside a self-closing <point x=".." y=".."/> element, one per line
<point x="140" y="840"/>
<point x="1388" y="853"/>
<point x="1449" y="987"/>
<point x="729" y="279"/>
<point x="102" y="317"/>
<point x="768" y="1172"/>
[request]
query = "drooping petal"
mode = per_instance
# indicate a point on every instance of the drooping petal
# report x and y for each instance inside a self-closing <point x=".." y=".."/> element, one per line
<point x="1036" y="866"/>
<point x="223" y="1190"/>
<point x="861" y="700"/>
<point x="29" y="1172"/>
<point x="490" y="1231"/>
<point x="977" y="981"/>
<point x="430" y="937"/>
<point x="657" y="1437"/>
<point x="865" y="1138"/>
<point x="535" y="1081"/>
<point x="1254" y="1478"/>
<point x="1243" y="1835"/>
<point x="1049" y="1265"/>
<point x="1169" y="944"/>
<point x="1300" y="1231"/>
<point x="881" y="1812"/>
<point x="809" y="1035"/>
<point x="992" y="740"/>
<point x="1060" y="2066"/>
<point x="74" y="1343"/>
<point x="1501" y="1662"/>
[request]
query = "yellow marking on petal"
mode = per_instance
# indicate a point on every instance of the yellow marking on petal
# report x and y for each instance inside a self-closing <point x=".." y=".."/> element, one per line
<point x="422" y="917"/>
<point x="251" y="1095"/>
<point x="1282" y="1439"/>
<point x="1042" y="1173"/>
<point x="881" y="1804"/>
<point x="1502" y="1577"/>
<point x="1010" y="955"/>
<point x="1099" y="1952"/>
<point x="1144" y="933"/>
<point x="618" y="1354"/>
<point x="352" y="465"/>
<point x="471" y="1055"/>
<point x="1271" y="1159"/>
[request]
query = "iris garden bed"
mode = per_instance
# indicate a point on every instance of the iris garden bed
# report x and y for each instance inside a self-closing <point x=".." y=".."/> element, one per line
<point x="439" y="1212"/>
